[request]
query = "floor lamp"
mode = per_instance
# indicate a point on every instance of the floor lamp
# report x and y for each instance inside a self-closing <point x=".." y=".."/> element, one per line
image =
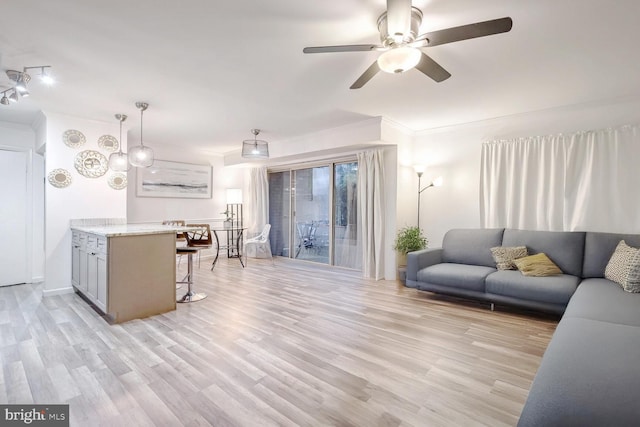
<point x="435" y="183"/>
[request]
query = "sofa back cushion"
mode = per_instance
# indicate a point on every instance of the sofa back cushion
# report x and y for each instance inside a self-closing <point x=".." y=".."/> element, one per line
<point x="564" y="248"/>
<point x="598" y="249"/>
<point x="471" y="246"/>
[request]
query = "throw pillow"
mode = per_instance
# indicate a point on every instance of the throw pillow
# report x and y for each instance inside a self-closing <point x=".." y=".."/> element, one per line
<point x="537" y="265"/>
<point x="633" y="280"/>
<point x="624" y="267"/>
<point x="504" y="256"/>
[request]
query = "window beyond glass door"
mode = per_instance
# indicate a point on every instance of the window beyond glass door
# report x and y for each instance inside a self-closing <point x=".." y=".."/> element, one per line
<point x="310" y="225"/>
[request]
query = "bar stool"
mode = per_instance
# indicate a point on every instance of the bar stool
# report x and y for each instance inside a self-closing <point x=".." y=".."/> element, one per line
<point x="189" y="251"/>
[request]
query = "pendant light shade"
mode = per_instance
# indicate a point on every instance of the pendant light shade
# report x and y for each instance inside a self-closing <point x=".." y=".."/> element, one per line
<point x="141" y="156"/>
<point x="255" y="148"/>
<point x="118" y="161"/>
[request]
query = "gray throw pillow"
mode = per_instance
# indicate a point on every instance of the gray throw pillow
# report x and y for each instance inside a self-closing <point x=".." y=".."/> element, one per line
<point x="505" y="255"/>
<point x="624" y="267"/>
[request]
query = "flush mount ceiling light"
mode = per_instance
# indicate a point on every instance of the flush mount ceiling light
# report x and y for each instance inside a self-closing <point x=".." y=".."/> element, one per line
<point x="20" y="81"/>
<point x="255" y="148"/>
<point x="141" y="156"/>
<point x="118" y="161"/>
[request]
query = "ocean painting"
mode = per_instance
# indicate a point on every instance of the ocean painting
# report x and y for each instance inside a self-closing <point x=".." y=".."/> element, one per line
<point x="174" y="179"/>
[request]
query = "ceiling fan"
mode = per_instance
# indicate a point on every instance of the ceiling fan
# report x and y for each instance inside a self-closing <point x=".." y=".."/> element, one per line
<point x="401" y="44"/>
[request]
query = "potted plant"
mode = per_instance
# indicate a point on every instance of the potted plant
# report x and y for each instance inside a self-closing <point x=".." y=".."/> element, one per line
<point x="408" y="239"/>
<point x="228" y="222"/>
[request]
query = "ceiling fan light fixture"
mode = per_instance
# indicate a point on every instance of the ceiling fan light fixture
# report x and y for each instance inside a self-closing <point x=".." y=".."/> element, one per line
<point x="255" y="148"/>
<point x="399" y="59"/>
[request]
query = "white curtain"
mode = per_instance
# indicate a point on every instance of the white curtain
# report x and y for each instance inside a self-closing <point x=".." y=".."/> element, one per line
<point x="583" y="181"/>
<point x="371" y="206"/>
<point x="258" y="200"/>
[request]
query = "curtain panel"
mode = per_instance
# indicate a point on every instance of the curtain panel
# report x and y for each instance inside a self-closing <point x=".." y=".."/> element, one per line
<point x="583" y="181"/>
<point x="258" y="203"/>
<point x="371" y="206"/>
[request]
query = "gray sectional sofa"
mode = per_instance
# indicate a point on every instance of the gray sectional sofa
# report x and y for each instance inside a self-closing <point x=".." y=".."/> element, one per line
<point x="590" y="372"/>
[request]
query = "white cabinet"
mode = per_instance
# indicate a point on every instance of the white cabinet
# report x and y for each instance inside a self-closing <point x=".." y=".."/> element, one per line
<point x="89" y="267"/>
<point x="75" y="259"/>
<point x="126" y="276"/>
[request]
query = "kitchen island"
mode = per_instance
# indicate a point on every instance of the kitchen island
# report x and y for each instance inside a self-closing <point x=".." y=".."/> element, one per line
<point x="126" y="271"/>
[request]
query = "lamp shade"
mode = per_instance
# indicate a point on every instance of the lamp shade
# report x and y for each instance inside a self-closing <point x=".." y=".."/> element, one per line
<point x="399" y="59"/>
<point x="234" y="196"/>
<point x="118" y="162"/>
<point x="255" y="148"/>
<point x="141" y="156"/>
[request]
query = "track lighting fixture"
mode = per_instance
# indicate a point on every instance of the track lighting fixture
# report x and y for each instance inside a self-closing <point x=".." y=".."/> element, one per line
<point x="21" y="80"/>
<point x="6" y="100"/>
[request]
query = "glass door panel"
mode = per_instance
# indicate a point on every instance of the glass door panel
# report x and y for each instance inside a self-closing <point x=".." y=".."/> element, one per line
<point x="279" y="212"/>
<point x="310" y="225"/>
<point x="345" y="212"/>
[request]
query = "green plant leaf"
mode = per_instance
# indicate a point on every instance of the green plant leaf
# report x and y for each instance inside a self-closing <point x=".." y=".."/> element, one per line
<point x="410" y="239"/>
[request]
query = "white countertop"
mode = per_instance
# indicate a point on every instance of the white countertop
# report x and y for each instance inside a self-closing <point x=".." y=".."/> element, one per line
<point x="126" y="229"/>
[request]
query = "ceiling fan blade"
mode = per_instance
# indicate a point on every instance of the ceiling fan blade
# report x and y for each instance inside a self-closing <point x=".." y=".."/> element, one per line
<point x="398" y="17"/>
<point x="471" y="31"/>
<point x="343" y="48"/>
<point x="432" y="69"/>
<point x="366" y="76"/>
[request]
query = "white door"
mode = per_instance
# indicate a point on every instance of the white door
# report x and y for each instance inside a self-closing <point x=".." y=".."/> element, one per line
<point x="13" y="217"/>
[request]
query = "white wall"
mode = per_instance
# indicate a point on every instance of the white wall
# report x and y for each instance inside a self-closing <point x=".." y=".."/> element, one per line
<point x="23" y="137"/>
<point x="84" y="198"/>
<point x="454" y="152"/>
<point x="157" y="209"/>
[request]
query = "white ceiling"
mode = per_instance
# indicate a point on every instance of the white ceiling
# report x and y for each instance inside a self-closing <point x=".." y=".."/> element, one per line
<point x="212" y="70"/>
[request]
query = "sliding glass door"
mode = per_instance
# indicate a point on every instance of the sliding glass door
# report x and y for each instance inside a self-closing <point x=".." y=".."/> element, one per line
<point x="313" y="214"/>
<point x="345" y="214"/>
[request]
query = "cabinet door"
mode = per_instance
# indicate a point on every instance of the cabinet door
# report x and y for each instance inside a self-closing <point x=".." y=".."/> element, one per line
<point x="102" y="295"/>
<point x="82" y="269"/>
<point x="75" y="265"/>
<point x="92" y="276"/>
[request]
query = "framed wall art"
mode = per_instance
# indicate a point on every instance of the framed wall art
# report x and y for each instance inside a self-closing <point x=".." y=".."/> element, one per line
<point x="174" y="179"/>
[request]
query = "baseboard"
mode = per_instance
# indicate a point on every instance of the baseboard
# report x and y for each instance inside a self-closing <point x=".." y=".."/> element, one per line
<point x="59" y="291"/>
<point x="37" y="279"/>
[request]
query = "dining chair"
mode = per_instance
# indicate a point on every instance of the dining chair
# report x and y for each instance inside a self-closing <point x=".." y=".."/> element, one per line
<point x="260" y="243"/>
<point x="200" y="238"/>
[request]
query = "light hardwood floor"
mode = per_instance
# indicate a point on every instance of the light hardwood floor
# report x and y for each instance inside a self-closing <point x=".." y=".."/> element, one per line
<point x="286" y="344"/>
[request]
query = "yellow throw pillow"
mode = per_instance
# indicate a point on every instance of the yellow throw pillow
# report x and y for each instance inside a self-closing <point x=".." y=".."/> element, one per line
<point x="537" y="265"/>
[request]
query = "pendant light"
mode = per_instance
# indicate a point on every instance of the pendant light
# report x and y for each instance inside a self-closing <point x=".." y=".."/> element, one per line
<point x="141" y="156"/>
<point x="118" y="161"/>
<point x="255" y="148"/>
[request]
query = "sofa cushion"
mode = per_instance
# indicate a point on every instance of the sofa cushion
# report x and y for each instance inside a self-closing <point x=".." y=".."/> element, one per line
<point x="471" y="246"/>
<point x="598" y="248"/>
<point x="601" y="299"/>
<point x="623" y="267"/>
<point x="565" y="248"/>
<point x="456" y="275"/>
<point x="552" y="289"/>
<point x="589" y="376"/>
<point x="538" y="265"/>
<point x="504" y="256"/>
